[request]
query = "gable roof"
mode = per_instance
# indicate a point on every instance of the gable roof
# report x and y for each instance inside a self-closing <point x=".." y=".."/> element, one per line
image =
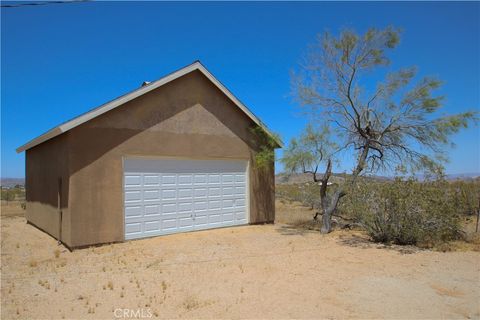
<point x="66" y="126"/>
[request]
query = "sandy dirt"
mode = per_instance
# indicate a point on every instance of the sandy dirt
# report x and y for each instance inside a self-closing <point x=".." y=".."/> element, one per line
<point x="266" y="271"/>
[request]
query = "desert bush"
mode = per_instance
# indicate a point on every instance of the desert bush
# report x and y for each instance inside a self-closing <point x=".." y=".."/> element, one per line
<point x="400" y="211"/>
<point x="11" y="194"/>
<point x="306" y="193"/>
<point x="407" y="212"/>
<point x="466" y="195"/>
<point x="8" y="195"/>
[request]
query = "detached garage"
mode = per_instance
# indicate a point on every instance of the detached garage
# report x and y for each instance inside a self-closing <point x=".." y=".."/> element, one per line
<point x="175" y="155"/>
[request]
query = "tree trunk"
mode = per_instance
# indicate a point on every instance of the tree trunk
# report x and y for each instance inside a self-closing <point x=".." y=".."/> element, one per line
<point x="328" y="208"/>
<point x="360" y="163"/>
<point x="328" y="211"/>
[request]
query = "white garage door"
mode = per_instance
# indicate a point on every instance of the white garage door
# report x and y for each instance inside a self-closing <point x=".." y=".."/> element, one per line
<point x="171" y="195"/>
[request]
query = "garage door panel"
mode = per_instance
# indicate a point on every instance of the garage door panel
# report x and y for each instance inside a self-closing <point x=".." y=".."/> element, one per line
<point x="185" y="222"/>
<point x="199" y="206"/>
<point x="185" y="179"/>
<point x="240" y="191"/>
<point x="227" y="191"/>
<point x="133" y="195"/>
<point x="201" y="220"/>
<point x="151" y="209"/>
<point x="133" y="181"/>
<point x="215" y="204"/>
<point x="239" y="202"/>
<point x="150" y="180"/>
<point x="151" y="194"/>
<point x="240" y="178"/>
<point x="228" y="204"/>
<point x="169" y="196"/>
<point x="185" y="193"/>
<point x="214" y="179"/>
<point x="169" y="180"/>
<point x="169" y="224"/>
<point x="229" y="217"/>
<point x="200" y="178"/>
<point x="134" y="227"/>
<point x="214" y="192"/>
<point x="227" y="178"/>
<point x="134" y="211"/>
<point x="185" y="207"/>
<point x="201" y="192"/>
<point x="152" y="225"/>
<point x="215" y="218"/>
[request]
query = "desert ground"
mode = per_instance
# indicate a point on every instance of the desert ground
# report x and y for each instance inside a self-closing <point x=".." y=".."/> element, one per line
<point x="257" y="272"/>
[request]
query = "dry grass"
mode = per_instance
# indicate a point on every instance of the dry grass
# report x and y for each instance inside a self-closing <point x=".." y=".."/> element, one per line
<point x="11" y="208"/>
<point x="191" y="303"/>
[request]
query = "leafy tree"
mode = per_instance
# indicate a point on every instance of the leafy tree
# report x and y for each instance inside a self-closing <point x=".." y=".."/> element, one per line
<point x="266" y="144"/>
<point x="307" y="154"/>
<point x="394" y="126"/>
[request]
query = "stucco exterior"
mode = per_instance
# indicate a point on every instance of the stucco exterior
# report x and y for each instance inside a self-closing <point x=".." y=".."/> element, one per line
<point x="186" y="118"/>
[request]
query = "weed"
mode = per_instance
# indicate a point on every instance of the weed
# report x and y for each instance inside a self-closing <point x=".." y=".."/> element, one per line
<point x="56" y="253"/>
<point x="33" y="263"/>
<point x="191" y="303"/>
<point x="44" y="284"/>
<point x="110" y="285"/>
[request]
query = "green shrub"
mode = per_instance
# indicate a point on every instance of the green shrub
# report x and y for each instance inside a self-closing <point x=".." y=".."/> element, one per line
<point x="409" y="212"/>
<point x="399" y="211"/>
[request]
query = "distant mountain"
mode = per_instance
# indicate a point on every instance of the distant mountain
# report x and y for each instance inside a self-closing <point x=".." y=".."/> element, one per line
<point x="291" y="178"/>
<point x="11" y="182"/>
<point x="463" y="176"/>
<point x="284" y="178"/>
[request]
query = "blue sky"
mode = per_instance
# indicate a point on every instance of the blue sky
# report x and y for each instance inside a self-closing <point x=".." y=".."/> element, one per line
<point x="60" y="60"/>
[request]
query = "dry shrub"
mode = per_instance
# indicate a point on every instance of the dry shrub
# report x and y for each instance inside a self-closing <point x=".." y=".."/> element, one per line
<point x="191" y="303"/>
<point x="407" y="212"/>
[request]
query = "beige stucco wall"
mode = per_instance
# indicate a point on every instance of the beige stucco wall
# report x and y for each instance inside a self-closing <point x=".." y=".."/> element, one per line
<point x="188" y="117"/>
<point x="47" y="198"/>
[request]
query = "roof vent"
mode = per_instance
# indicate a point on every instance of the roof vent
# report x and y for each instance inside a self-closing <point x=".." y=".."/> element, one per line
<point x="145" y="83"/>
